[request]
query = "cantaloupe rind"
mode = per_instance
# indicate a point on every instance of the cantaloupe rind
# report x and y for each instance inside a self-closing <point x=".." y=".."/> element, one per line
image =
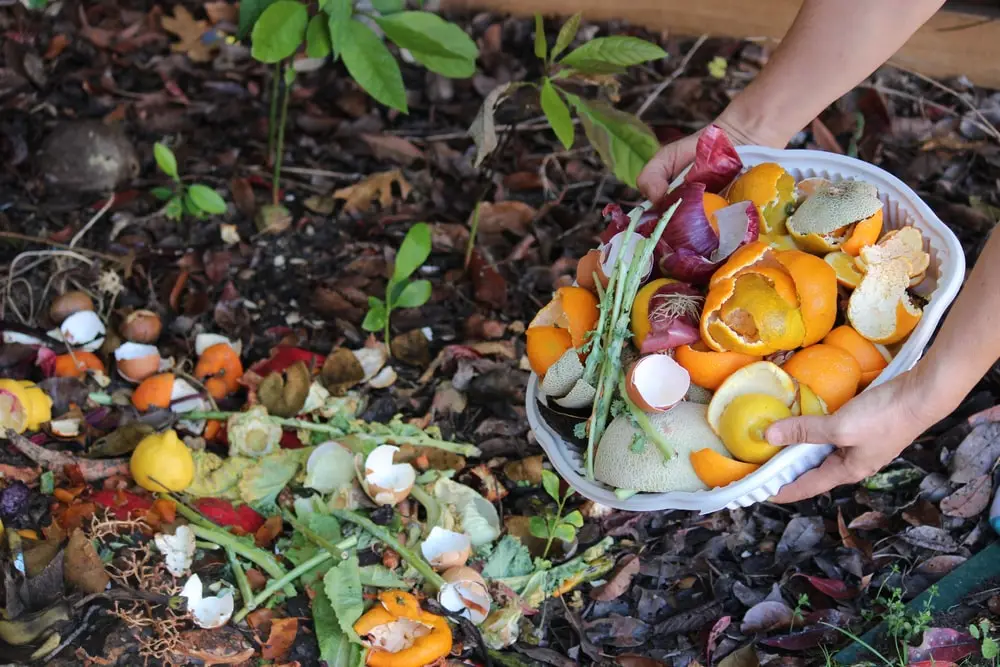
<point x="761" y="377"/>
<point x="828" y="219"/>
<point x="562" y="375"/>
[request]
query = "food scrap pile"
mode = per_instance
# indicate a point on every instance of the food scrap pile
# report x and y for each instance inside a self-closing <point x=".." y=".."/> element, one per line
<point x="190" y="518"/>
<point x="744" y="298"/>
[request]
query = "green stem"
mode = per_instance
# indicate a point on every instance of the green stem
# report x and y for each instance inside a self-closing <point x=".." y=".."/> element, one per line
<point x="641" y="418"/>
<point x="387" y="332"/>
<point x="473" y="230"/>
<point x="430" y="504"/>
<point x="411" y="557"/>
<point x="462" y="448"/>
<point x="281" y="143"/>
<point x="256" y="556"/>
<point x="277" y="584"/>
<point x="241" y="578"/>
<point x="273" y="115"/>
<point x="317" y="539"/>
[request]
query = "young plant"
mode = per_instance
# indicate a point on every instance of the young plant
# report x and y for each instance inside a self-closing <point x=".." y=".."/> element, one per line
<point x="401" y="292"/>
<point x="988" y="644"/>
<point x="623" y="141"/>
<point x="196" y="200"/>
<point x="797" y="615"/>
<point x="554" y="525"/>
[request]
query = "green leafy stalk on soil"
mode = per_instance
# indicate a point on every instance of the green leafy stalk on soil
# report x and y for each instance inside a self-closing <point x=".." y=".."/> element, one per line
<point x="358" y="428"/>
<point x="413" y="558"/>
<point x="617" y="328"/>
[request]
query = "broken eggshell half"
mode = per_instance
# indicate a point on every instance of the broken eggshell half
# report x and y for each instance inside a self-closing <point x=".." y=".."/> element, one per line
<point x="209" y="612"/>
<point x="137" y="361"/>
<point x="82" y="329"/>
<point x="203" y="341"/>
<point x="446" y="549"/>
<point x="465" y="593"/>
<point x="385" y="482"/>
<point x="656" y="383"/>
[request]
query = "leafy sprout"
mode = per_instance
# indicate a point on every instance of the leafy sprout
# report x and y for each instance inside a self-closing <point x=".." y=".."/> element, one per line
<point x="197" y="200"/>
<point x="554" y="525"/>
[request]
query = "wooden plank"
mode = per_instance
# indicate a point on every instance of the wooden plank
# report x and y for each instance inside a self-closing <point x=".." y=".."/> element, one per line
<point x="950" y="44"/>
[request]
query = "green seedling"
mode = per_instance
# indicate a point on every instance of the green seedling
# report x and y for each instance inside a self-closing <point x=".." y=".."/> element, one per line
<point x="797" y="615"/>
<point x="401" y="292"/>
<point x="197" y="200"/>
<point x="989" y="647"/>
<point x="555" y="525"/>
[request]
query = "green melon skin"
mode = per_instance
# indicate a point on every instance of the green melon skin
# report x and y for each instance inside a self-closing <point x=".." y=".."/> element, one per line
<point x="685" y="427"/>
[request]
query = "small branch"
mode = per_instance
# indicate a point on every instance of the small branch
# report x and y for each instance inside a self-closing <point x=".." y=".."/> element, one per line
<point x="124" y="261"/>
<point x="97" y="216"/>
<point x="91" y="469"/>
<point x="986" y="126"/>
<point x="419" y="564"/>
<point x="673" y="76"/>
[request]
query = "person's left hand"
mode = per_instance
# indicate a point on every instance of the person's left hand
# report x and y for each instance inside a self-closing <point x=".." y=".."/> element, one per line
<point x="869" y="431"/>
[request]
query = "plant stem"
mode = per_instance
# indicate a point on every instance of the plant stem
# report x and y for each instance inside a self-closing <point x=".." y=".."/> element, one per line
<point x="411" y="557"/>
<point x="273" y="115"/>
<point x="430" y="504"/>
<point x="387" y="333"/>
<point x="473" y="230"/>
<point x="276" y="584"/>
<point x="335" y="550"/>
<point x="241" y="578"/>
<point x="651" y="432"/>
<point x="281" y="143"/>
<point x="551" y="523"/>
<point x="462" y="448"/>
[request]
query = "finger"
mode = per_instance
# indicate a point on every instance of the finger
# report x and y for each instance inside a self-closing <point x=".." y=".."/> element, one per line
<point x="831" y="473"/>
<point x="813" y="429"/>
<point x="655" y="177"/>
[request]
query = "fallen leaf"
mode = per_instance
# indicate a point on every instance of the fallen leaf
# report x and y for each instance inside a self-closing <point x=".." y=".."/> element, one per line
<point x="265" y="535"/>
<point x="483" y="128"/>
<point x="221" y="646"/>
<point x="836" y="589"/>
<point x="943" y="644"/>
<point x="934" y="487"/>
<point x="83" y="568"/>
<point x="219" y="12"/>
<point x="190" y="33"/>
<point x="243" y="196"/>
<point x="279" y="641"/>
<point x="358" y="197"/>
<point x="57" y="45"/>
<point x="505" y="216"/>
<point x="869" y="521"/>
<point x="976" y="454"/>
<point x="849" y="539"/>
<point x="490" y="287"/>
<point x="526" y="470"/>
<point x="970" y="500"/>
<point x="922" y="513"/>
<point x="804" y="639"/>
<point x="801" y="534"/>
<point x="393" y="148"/>
<point x="939" y="565"/>
<point x="744" y="657"/>
<point x="617" y="630"/>
<point x="765" y="616"/>
<point x="991" y="414"/>
<point x="619" y="581"/>
<point x="930" y="537"/>
<point x="713" y="636"/>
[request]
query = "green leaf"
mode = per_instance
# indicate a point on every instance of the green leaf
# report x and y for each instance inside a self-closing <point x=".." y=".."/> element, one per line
<point x="163" y="194"/>
<point x="717" y="67"/>
<point x="375" y="318"/>
<point x="207" y="199"/>
<point x="624" y="142"/>
<point x="550" y="481"/>
<point x="974" y="630"/>
<point x="414" y="294"/>
<point x="557" y="113"/>
<point x="379" y="576"/>
<point x="605" y="54"/>
<point x="991" y="650"/>
<point x="451" y="67"/>
<point x="318" y="36"/>
<point x="566" y="34"/>
<point x="370" y="64"/>
<point x="47" y="483"/>
<point x="538" y="527"/>
<point x="262" y="482"/>
<point x="564" y="532"/>
<point x="574" y="519"/>
<point x="190" y="207"/>
<point x="174" y="210"/>
<point x="388" y="6"/>
<point x="510" y="558"/>
<point x="335" y="648"/>
<point x="250" y="11"/>
<point x="428" y="34"/>
<point x="279" y="31"/>
<point x="413" y="251"/>
<point x="340" y="12"/>
<point x="541" y="47"/>
<point x="343" y="587"/>
<point x="165" y="160"/>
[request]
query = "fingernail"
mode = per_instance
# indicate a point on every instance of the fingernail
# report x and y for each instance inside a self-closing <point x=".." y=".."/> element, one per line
<point x="775" y="437"/>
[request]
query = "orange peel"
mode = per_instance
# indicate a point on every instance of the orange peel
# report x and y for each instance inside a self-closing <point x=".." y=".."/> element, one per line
<point x="573" y="308"/>
<point x="77" y="364"/>
<point x="830" y="372"/>
<point x="154" y="392"/>
<point x="748" y="315"/>
<point x="903" y="243"/>
<point x="544" y="347"/>
<point x="709" y="368"/>
<point x="219" y="368"/>
<point x="880" y="309"/>
<point x="716" y="470"/>
<point x="816" y="287"/>
<point x="398" y="622"/>
<point x="838" y="216"/>
<point x="871" y="357"/>
<point x="845" y="268"/>
<point x="771" y="189"/>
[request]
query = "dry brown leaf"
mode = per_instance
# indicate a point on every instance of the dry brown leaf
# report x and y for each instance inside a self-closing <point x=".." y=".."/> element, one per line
<point x="970" y="500"/>
<point x="83" y="568"/>
<point x="505" y="216"/>
<point x="218" y="12"/>
<point x="619" y="581"/>
<point x="358" y="197"/>
<point x="390" y="147"/>
<point x="283" y="631"/>
<point x="190" y="32"/>
<point x="526" y="470"/>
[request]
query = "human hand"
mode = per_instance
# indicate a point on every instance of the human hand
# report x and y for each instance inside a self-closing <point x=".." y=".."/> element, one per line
<point x="869" y="431"/>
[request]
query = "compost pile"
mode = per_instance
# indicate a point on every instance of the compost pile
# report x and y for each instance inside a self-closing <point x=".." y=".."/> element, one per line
<point x="208" y="459"/>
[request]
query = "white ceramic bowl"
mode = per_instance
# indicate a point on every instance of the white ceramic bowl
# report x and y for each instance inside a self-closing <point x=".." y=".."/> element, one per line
<point x="944" y="277"/>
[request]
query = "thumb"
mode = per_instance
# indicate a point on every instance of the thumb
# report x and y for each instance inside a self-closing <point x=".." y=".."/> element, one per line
<point x="795" y="430"/>
<point x="655" y="177"/>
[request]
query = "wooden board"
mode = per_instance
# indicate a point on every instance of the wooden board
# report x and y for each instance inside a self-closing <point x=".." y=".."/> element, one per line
<point x="952" y="43"/>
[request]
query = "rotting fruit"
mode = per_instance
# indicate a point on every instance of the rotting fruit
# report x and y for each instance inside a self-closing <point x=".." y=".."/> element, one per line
<point x="162" y="462"/>
<point x="401" y="634"/>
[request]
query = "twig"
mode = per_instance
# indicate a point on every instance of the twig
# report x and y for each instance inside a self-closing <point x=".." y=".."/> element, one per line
<point x="124" y="261"/>
<point x="97" y="216"/>
<point x="533" y="125"/>
<point x="323" y="173"/>
<point x="673" y="76"/>
<point x="987" y="126"/>
<point x="91" y="469"/>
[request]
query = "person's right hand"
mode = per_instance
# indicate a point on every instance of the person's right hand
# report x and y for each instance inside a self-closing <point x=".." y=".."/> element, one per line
<point x="672" y="158"/>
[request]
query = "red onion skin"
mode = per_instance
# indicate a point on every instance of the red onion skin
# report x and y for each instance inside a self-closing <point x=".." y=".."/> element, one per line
<point x="716" y="162"/>
<point x="668" y="334"/>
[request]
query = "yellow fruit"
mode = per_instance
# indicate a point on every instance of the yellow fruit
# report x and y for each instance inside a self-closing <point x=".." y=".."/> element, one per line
<point x="640" y="310"/>
<point x="165" y="458"/>
<point x="36" y="404"/>
<point x="771" y="189"/>
<point x="845" y="267"/>
<point x="809" y="402"/>
<point x="761" y="377"/>
<point x="744" y="423"/>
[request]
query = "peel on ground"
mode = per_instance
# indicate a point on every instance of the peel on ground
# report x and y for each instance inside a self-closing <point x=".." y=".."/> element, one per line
<point x="880" y="308"/>
<point x="771" y="189"/>
<point x="838" y="216"/>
